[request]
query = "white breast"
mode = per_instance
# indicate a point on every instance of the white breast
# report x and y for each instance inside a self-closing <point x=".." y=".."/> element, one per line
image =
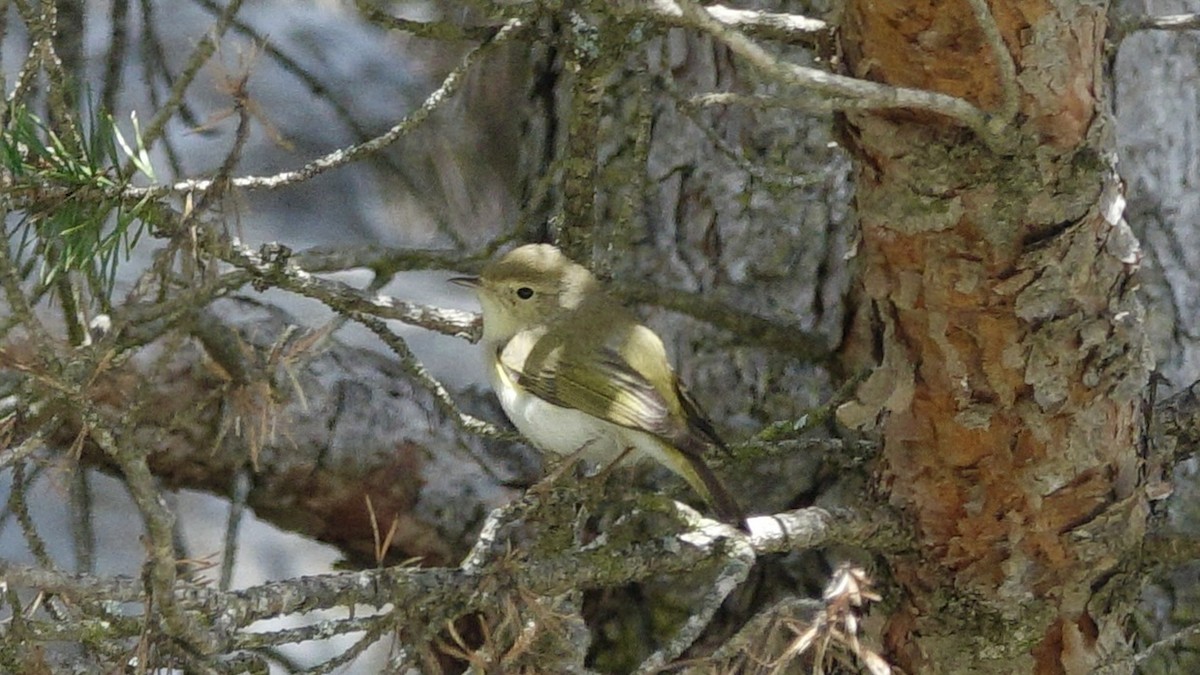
<point x="564" y="431"/>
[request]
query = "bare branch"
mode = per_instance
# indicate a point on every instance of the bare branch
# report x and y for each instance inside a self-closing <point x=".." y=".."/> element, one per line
<point x="239" y="492"/>
<point x="691" y="106"/>
<point x="1124" y="27"/>
<point x="13" y="455"/>
<point x="847" y="93"/>
<point x="729" y="575"/>
<point x="431" y="30"/>
<point x="344" y="156"/>
<point x="300" y="72"/>
<point x="83" y="532"/>
<point x="157" y="519"/>
<point x="1004" y="61"/>
<point x="272" y="266"/>
<point x="414" y="367"/>
<point x="1126" y="664"/>
<point x="200" y="55"/>
<point x="785" y="28"/>
<point x="754" y="329"/>
<point x="384" y="260"/>
<point x="19" y="508"/>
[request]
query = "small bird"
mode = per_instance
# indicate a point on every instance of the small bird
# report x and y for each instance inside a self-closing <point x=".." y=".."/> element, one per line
<point x="579" y="375"/>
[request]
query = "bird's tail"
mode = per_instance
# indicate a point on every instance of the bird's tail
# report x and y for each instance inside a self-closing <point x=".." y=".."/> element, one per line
<point x="705" y="482"/>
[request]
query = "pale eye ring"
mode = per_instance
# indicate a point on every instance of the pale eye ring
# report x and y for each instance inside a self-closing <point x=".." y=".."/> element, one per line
<point x="524" y="292"/>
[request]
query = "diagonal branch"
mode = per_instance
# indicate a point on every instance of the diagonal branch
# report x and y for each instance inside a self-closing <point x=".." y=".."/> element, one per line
<point x="1004" y="61"/>
<point x="344" y="156"/>
<point x="847" y="93"/>
<point x="200" y="55"/>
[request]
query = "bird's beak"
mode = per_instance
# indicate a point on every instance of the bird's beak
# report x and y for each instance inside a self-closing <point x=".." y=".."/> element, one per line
<point x="472" y="283"/>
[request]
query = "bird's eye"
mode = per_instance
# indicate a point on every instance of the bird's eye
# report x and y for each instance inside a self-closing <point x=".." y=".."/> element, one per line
<point x="524" y="292"/>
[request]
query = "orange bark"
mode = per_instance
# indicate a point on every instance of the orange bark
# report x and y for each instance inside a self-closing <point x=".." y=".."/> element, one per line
<point x="1012" y="339"/>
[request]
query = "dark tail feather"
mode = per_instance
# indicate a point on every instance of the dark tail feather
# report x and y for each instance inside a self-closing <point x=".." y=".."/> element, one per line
<point x="714" y="492"/>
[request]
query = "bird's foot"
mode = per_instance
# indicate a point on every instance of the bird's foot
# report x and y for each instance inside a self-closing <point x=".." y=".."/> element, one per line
<point x="557" y="469"/>
<point x="603" y="474"/>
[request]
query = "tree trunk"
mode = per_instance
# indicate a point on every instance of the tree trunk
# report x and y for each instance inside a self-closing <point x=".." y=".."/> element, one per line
<point x="1014" y="359"/>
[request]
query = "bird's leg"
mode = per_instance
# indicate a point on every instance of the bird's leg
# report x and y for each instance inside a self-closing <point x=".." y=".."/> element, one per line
<point x="560" y="468"/>
<point x="604" y="473"/>
<point x="595" y="486"/>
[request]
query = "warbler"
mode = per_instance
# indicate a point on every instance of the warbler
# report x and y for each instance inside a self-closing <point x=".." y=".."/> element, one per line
<point x="578" y="374"/>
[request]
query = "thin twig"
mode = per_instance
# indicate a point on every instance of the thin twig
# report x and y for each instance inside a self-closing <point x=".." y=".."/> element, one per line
<point x="22" y="310"/>
<point x="136" y="324"/>
<point x="734" y="569"/>
<point x="14" y="454"/>
<point x="83" y="531"/>
<point x="114" y="60"/>
<point x="315" y="86"/>
<point x="233" y="525"/>
<point x="691" y="108"/>
<point x="417" y="370"/>
<point x="60" y="96"/>
<point x="1124" y="27"/>
<point x="375" y="630"/>
<point x="321" y="630"/>
<point x="343" y="156"/>
<point x="200" y="55"/>
<point x="154" y="65"/>
<point x="30" y="66"/>
<point x="430" y="30"/>
<point x="384" y="260"/>
<point x="1004" y="61"/>
<point x="753" y="329"/>
<point x="3" y="34"/>
<point x="273" y="266"/>
<point x="17" y="505"/>
<point x="157" y="520"/>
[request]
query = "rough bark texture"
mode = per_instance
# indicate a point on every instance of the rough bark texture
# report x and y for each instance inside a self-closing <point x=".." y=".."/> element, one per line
<point x="744" y="206"/>
<point x="1013" y="353"/>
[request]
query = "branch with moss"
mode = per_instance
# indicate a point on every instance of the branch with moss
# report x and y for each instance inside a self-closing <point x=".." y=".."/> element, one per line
<point x="842" y="93"/>
<point x="423" y="600"/>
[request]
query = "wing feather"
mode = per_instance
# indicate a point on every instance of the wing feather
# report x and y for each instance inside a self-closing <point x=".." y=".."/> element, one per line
<point x="590" y="376"/>
<point x="594" y="378"/>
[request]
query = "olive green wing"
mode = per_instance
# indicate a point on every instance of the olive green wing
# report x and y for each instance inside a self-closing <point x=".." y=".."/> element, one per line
<point x="588" y="377"/>
<point x="639" y="393"/>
